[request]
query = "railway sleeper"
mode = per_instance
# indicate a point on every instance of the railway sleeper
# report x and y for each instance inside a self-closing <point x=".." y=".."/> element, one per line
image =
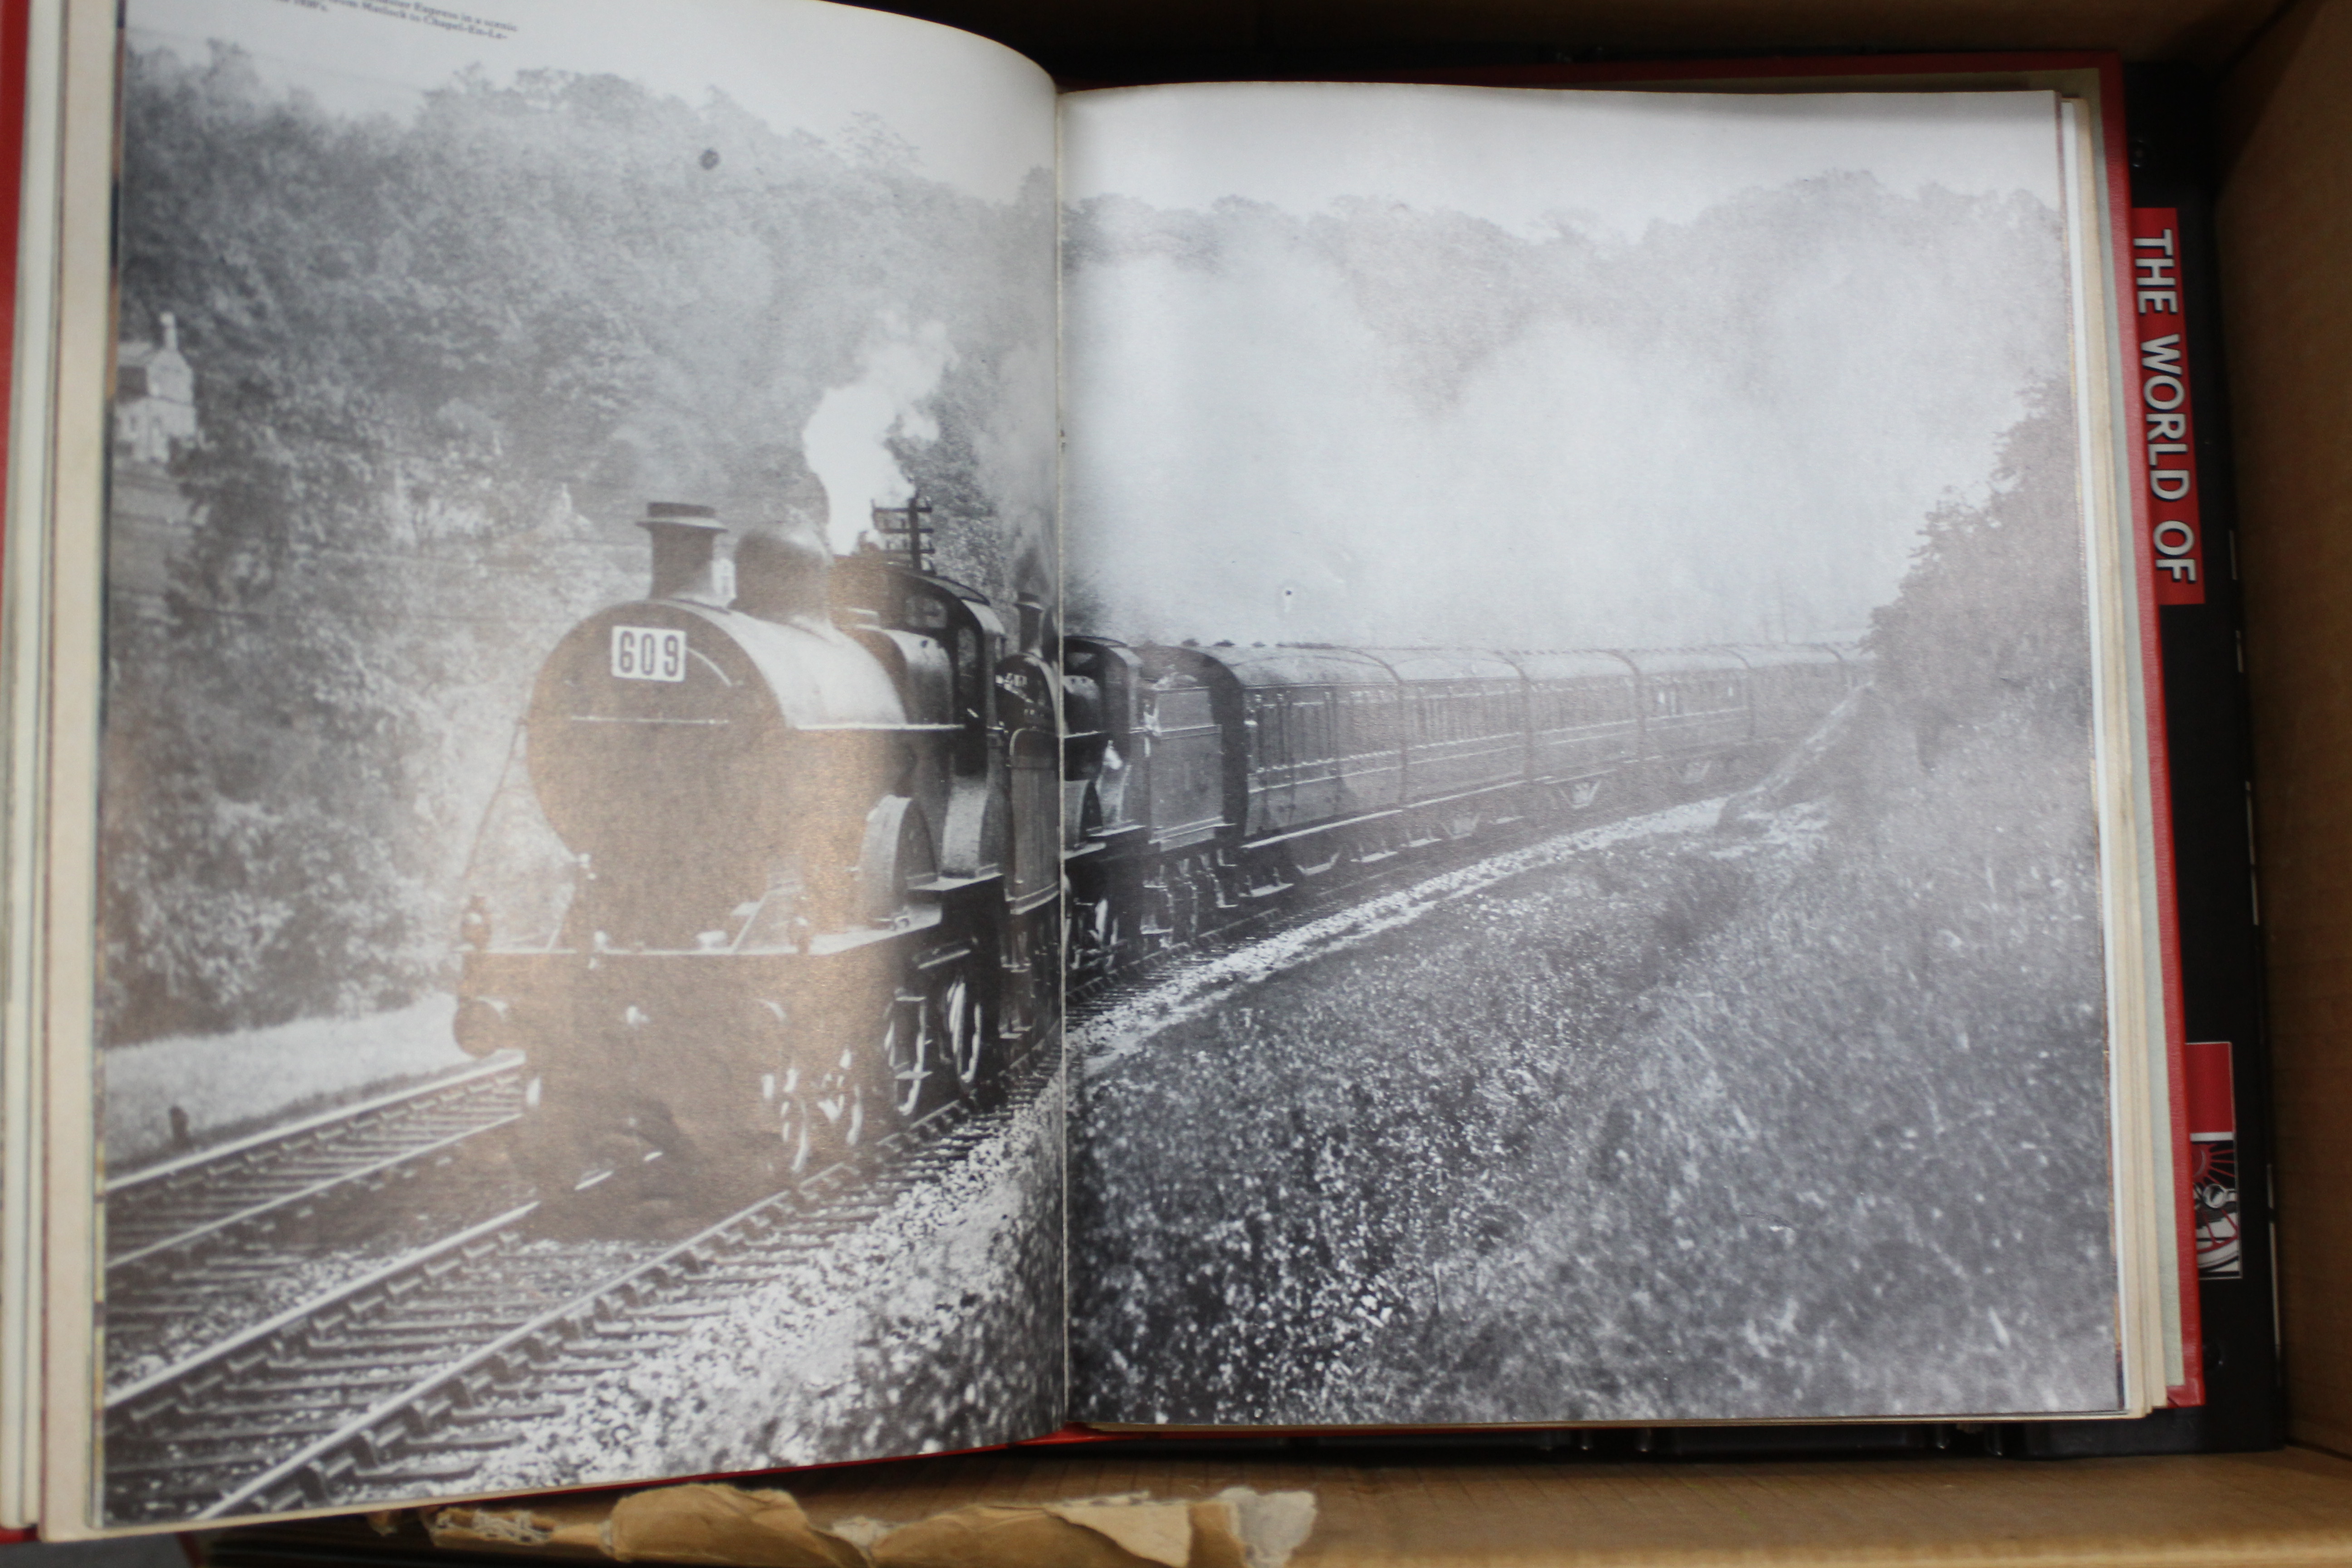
<point x="231" y="1271"/>
<point x="293" y="1426"/>
<point x="276" y="1410"/>
<point x="175" y="1469"/>
<point x="407" y="1475"/>
<point x="489" y="1438"/>
<point x="505" y="1412"/>
<point x="392" y="1337"/>
<point x="306" y="1378"/>
<point x="415" y="1340"/>
<point x="456" y="1317"/>
<point x="524" y="1357"/>
<point x="627" y="1331"/>
<point x="460" y="1294"/>
<point x="355" y="1367"/>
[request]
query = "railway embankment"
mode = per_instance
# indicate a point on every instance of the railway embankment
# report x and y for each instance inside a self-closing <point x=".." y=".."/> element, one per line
<point x="1694" y="1119"/>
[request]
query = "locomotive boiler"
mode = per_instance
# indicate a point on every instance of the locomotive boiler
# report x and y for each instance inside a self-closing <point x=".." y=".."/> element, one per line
<point x="775" y="868"/>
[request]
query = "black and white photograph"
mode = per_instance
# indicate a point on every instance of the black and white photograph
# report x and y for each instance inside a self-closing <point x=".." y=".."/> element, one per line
<point x="579" y="832"/>
<point x="1578" y="628"/>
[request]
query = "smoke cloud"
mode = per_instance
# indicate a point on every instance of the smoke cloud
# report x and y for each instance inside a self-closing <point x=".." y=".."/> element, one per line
<point x="1381" y="423"/>
<point x="847" y="438"/>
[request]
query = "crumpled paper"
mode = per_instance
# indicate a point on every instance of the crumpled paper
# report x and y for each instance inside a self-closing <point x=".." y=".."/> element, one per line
<point x="726" y="1526"/>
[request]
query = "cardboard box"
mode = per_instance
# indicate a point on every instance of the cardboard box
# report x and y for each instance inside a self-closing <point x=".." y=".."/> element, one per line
<point x="2286" y="244"/>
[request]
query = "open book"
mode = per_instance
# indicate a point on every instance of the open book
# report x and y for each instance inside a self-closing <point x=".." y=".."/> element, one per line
<point x="735" y="744"/>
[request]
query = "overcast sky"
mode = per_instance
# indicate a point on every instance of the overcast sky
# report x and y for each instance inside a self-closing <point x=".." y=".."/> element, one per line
<point x="1410" y="363"/>
<point x="979" y="116"/>
<point x="1525" y="157"/>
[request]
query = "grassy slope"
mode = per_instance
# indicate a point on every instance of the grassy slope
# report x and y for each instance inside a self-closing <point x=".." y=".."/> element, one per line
<point x="1805" y="1115"/>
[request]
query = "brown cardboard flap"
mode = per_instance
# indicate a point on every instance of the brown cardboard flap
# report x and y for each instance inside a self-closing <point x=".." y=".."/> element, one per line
<point x="722" y="1524"/>
<point x="998" y="1536"/>
<point x="2291" y="1508"/>
<point x="2285" y="222"/>
<point x="704" y="1523"/>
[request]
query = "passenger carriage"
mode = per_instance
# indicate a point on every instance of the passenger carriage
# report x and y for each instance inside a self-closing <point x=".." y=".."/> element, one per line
<point x="1695" y="711"/>
<point x="1792" y="685"/>
<point x="1584" y="720"/>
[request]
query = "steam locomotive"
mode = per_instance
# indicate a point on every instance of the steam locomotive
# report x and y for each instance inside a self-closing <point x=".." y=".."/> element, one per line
<point x="804" y="849"/>
<point x="798" y="856"/>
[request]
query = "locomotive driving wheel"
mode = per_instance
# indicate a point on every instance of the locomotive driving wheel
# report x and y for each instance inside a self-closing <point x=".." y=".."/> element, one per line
<point x="909" y="1063"/>
<point x="1098" y="933"/>
<point x="1176" y="905"/>
<point x="821" y="1111"/>
<point x="960" y="1024"/>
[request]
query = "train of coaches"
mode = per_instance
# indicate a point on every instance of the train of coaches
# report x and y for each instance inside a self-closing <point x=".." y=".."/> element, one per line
<point x="826" y="830"/>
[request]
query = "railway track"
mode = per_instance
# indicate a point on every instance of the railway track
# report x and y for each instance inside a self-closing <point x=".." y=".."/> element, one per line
<point x="418" y="1373"/>
<point x="203" y="1247"/>
<point x="162" y="1220"/>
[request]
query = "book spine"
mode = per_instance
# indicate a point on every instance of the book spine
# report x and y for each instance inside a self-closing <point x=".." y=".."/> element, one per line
<point x="2189" y="541"/>
<point x="2187" y="538"/>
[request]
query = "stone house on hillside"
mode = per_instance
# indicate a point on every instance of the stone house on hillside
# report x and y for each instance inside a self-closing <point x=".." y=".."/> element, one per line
<point x="154" y="398"/>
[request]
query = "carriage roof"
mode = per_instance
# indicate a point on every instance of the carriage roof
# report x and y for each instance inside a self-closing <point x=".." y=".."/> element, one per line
<point x="1783" y="654"/>
<point x="1429" y="664"/>
<point x="1685" y="661"/>
<point x="1280" y="665"/>
<point x="1582" y="665"/>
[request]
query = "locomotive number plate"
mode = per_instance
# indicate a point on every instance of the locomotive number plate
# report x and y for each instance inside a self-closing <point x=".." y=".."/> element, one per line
<point x="649" y="652"/>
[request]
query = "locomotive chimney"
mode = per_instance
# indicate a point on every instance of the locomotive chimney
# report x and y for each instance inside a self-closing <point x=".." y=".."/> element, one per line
<point x="686" y="550"/>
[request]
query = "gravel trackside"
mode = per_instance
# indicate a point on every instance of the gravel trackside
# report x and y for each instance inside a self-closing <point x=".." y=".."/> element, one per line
<point x="1778" y="1117"/>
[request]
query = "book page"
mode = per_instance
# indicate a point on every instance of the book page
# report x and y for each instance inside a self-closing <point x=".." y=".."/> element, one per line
<point x="1602" y="808"/>
<point x="578" y="825"/>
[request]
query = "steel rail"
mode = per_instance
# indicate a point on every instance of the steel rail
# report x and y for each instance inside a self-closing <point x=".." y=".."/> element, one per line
<point x="195" y="1165"/>
<point x="274" y="1207"/>
<point x="310" y="1476"/>
<point x="140" y="1402"/>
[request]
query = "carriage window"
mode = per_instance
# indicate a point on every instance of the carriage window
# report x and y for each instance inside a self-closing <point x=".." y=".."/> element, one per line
<point x="1185" y="707"/>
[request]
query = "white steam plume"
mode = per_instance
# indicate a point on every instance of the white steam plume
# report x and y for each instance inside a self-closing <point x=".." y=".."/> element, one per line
<point x="846" y="439"/>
